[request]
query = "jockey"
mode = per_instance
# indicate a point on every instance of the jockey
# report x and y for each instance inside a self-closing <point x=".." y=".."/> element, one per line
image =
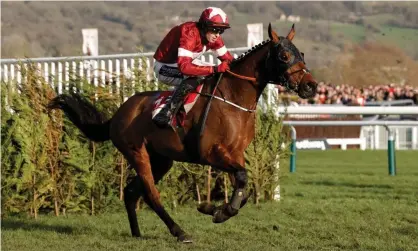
<point x="177" y="56"/>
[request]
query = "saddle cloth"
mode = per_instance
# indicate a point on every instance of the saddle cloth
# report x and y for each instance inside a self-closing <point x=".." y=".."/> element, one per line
<point x="189" y="100"/>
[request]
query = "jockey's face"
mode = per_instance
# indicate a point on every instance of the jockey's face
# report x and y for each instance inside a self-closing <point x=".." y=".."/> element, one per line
<point x="212" y="34"/>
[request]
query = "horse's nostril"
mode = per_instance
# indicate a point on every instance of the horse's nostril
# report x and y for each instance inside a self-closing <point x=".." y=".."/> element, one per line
<point x="307" y="90"/>
<point x="312" y="85"/>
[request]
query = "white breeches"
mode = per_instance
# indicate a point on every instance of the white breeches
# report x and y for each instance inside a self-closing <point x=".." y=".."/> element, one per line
<point x="170" y="74"/>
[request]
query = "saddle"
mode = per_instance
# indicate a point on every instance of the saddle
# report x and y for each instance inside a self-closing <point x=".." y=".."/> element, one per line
<point x="179" y="116"/>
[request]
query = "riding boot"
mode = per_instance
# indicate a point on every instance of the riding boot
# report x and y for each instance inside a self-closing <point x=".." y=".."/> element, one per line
<point x="163" y="118"/>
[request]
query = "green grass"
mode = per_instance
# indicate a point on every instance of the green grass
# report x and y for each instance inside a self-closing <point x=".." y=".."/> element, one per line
<point x="379" y="19"/>
<point x="405" y="38"/>
<point x="402" y="37"/>
<point x="352" y="32"/>
<point x="336" y="200"/>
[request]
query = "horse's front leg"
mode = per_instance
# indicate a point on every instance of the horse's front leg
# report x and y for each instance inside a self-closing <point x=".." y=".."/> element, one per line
<point x="209" y="208"/>
<point x="233" y="164"/>
<point x="238" y="198"/>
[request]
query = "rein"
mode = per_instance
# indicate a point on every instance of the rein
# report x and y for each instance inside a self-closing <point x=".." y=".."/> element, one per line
<point x="211" y="96"/>
<point x="208" y="106"/>
<point x="242" y="77"/>
<point x="254" y="80"/>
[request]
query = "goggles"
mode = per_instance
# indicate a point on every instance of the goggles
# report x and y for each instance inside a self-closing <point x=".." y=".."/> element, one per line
<point x="216" y="30"/>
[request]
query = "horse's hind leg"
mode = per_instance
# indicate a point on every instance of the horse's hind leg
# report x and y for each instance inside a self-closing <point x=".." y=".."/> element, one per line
<point x="140" y="160"/>
<point x="135" y="189"/>
<point x="132" y="192"/>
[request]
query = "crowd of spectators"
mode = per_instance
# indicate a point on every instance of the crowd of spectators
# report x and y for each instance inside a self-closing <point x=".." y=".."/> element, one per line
<point x="328" y="93"/>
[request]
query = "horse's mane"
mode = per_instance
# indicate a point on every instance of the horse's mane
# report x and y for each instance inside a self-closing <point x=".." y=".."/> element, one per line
<point x="249" y="52"/>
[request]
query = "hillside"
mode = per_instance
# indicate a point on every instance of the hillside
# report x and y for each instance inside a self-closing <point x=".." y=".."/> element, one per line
<point x="39" y="29"/>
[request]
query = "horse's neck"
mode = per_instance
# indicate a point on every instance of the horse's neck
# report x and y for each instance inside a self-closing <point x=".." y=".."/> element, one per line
<point x="243" y="92"/>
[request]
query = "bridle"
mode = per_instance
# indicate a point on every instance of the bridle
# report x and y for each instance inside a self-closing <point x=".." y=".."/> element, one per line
<point x="285" y="81"/>
<point x="282" y="79"/>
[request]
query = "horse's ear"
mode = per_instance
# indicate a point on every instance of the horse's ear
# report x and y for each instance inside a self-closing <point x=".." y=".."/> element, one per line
<point x="273" y="35"/>
<point x="292" y="33"/>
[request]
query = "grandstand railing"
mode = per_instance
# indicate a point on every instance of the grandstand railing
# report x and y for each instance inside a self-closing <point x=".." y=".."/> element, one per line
<point x="406" y="137"/>
<point x="391" y="137"/>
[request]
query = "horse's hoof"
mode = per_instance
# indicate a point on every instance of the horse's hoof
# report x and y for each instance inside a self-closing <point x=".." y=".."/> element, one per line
<point x="136" y="235"/>
<point x="206" y="208"/>
<point x="219" y="216"/>
<point x="184" y="238"/>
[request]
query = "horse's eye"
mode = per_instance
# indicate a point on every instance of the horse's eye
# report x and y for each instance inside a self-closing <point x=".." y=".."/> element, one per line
<point x="284" y="56"/>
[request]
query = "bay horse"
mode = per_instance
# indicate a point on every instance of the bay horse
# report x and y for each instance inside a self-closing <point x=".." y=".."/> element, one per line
<point x="218" y="139"/>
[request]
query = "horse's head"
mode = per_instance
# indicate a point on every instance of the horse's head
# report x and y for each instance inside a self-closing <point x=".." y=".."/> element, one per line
<point x="286" y="65"/>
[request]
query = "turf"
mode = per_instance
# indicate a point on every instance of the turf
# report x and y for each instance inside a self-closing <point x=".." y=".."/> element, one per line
<point x="336" y="200"/>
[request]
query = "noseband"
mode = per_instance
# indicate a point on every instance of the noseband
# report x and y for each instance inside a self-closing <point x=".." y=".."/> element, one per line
<point x="285" y="81"/>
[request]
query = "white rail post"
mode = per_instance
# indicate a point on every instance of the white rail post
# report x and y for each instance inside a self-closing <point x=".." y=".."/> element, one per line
<point x="96" y="77"/>
<point x="148" y="69"/>
<point x="126" y="75"/>
<point x="73" y="74"/>
<point x="59" y="78"/>
<point x="133" y="71"/>
<point x="117" y="76"/>
<point x="376" y="137"/>
<point x="102" y="73"/>
<point x="414" y="135"/>
<point x="19" y="78"/>
<point x="110" y="73"/>
<point x="46" y="73"/>
<point x="81" y="73"/>
<point x="155" y="76"/>
<point x="53" y="76"/>
<point x="39" y="71"/>
<point x="67" y="76"/>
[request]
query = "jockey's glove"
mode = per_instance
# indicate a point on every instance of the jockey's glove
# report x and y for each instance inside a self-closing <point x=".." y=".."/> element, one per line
<point x="221" y="67"/>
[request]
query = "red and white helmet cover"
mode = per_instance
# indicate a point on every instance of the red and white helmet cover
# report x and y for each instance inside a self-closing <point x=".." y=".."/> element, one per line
<point x="213" y="17"/>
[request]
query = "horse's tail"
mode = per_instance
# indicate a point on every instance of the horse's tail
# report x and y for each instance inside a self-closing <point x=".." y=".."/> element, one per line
<point x="84" y="115"/>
